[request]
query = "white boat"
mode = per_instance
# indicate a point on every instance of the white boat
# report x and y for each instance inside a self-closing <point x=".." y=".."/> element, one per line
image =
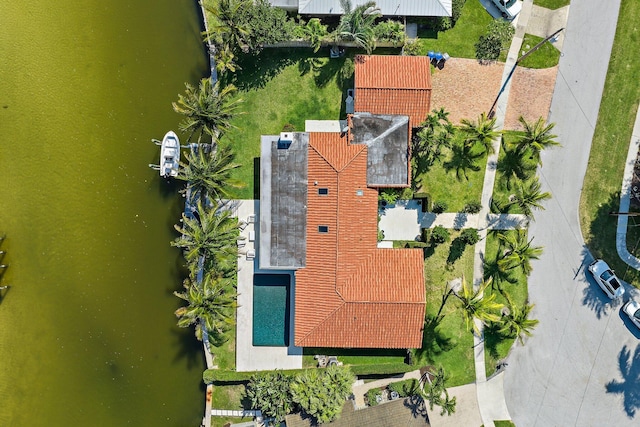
<point x="169" y="155"/>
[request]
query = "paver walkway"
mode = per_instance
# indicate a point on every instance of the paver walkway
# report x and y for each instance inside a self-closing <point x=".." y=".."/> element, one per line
<point x="405" y="219"/>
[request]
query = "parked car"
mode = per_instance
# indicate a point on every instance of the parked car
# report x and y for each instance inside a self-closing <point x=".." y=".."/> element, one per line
<point x="508" y="8"/>
<point x="606" y="278"/>
<point x="632" y="309"/>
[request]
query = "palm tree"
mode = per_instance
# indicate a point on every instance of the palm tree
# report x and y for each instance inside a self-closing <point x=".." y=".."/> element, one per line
<point x="463" y="159"/>
<point x="435" y="389"/>
<point x="210" y="304"/>
<point x="356" y="25"/>
<point x="209" y="174"/>
<point x="535" y="138"/>
<point x="226" y="29"/>
<point x="213" y="236"/>
<point x="514" y="165"/>
<point x="518" y="252"/>
<point x="225" y="60"/>
<point x="476" y="306"/>
<point x="516" y="324"/>
<point x="315" y="32"/>
<point x="482" y="132"/>
<point x="527" y="196"/>
<point x="207" y="110"/>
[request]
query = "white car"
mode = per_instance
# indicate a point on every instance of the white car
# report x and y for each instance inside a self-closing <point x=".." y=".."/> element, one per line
<point x="508" y="8"/>
<point x="606" y="278"/>
<point x="632" y="309"/>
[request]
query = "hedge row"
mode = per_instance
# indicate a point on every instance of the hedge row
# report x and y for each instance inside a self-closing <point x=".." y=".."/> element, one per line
<point x="225" y="376"/>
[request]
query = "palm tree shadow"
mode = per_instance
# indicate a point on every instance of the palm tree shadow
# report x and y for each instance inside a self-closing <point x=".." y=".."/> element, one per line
<point x="434" y="342"/>
<point x="417" y="406"/>
<point x="595" y="299"/>
<point x="188" y="348"/>
<point x="628" y="387"/>
<point x="493" y="337"/>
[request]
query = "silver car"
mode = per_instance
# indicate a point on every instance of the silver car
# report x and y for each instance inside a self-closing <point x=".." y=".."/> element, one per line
<point x="606" y="278"/>
<point x="632" y="309"/>
<point x="508" y="8"/>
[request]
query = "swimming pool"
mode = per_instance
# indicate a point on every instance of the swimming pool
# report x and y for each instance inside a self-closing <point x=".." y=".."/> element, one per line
<point x="271" y="310"/>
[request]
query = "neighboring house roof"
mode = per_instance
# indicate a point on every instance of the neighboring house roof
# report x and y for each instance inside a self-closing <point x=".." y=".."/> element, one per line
<point x="409" y="412"/>
<point x="391" y="84"/>
<point x="387" y="141"/>
<point x="387" y="7"/>
<point x="352" y="294"/>
<point x="283" y="189"/>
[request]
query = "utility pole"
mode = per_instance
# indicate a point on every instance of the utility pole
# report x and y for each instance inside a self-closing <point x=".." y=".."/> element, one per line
<point x="536" y="47"/>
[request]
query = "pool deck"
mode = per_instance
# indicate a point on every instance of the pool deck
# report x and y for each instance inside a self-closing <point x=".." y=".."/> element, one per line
<point x="249" y="357"/>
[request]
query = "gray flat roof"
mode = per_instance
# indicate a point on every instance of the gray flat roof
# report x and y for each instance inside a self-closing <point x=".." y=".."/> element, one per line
<point x="283" y="201"/>
<point x="387" y="140"/>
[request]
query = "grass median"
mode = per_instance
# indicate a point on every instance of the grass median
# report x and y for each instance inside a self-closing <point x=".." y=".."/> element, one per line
<point x="603" y="179"/>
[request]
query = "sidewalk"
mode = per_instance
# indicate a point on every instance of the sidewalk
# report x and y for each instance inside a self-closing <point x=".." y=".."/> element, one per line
<point x="625" y="197"/>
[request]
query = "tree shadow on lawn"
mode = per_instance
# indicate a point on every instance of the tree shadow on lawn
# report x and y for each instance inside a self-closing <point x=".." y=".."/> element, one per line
<point x="434" y="342"/>
<point x="256" y="69"/>
<point x="630" y="370"/>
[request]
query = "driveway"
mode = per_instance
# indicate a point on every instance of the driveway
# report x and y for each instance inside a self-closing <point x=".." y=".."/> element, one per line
<point x="570" y="373"/>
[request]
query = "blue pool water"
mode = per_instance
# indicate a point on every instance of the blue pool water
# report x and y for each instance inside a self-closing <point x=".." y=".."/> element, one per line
<point x="271" y="310"/>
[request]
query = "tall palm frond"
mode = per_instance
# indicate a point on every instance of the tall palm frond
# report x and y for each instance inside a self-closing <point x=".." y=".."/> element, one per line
<point x="481" y="132"/>
<point x="518" y="252"/>
<point x="517" y="324"/>
<point x="528" y="196"/>
<point x="535" y="137"/>
<point x="476" y="305"/>
<point x="208" y="109"/>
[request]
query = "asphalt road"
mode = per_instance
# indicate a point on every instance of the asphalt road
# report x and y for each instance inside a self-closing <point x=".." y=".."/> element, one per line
<point x="582" y="366"/>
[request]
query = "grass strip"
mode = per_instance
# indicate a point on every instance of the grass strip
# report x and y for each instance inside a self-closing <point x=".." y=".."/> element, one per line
<point x="603" y="179"/>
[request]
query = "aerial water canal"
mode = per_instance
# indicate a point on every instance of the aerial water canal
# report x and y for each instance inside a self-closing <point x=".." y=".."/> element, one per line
<point x="87" y="331"/>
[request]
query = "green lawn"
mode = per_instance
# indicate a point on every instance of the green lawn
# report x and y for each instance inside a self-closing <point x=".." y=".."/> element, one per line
<point x="442" y="185"/>
<point x="458" y="42"/>
<point x="449" y="343"/>
<point x="353" y="356"/>
<point x="546" y="56"/>
<point x="279" y="87"/>
<point x="496" y="346"/>
<point x="551" y="4"/>
<point x="610" y="144"/>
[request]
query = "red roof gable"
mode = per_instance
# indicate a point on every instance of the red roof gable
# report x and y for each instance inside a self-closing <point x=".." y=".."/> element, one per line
<point x="352" y="294"/>
<point x="388" y="84"/>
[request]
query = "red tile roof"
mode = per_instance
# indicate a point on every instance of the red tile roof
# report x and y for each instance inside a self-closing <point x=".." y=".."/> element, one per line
<point x="352" y="294"/>
<point x="387" y="84"/>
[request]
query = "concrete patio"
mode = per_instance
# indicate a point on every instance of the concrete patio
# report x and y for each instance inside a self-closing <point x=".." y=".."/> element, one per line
<point x="248" y="356"/>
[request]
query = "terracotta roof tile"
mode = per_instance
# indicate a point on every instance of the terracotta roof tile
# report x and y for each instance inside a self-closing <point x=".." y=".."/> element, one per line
<point x="388" y="84"/>
<point x="352" y="294"/>
<point x="392" y="72"/>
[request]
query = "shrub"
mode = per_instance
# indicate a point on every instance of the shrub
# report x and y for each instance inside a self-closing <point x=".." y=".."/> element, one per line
<point x="413" y="245"/>
<point x="472" y="207"/>
<point x="389" y="195"/>
<point x="270" y="393"/>
<point x="405" y="388"/>
<point x="439" y="234"/>
<point x="371" y="396"/>
<point x="425" y="234"/>
<point x="389" y="31"/>
<point x="288" y="128"/>
<point x="411" y="48"/>
<point x="380" y="235"/>
<point x="381" y="369"/>
<point x="321" y="393"/>
<point x="498" y="36"/>
<point x="470" y="236"/>
<point x="439" y="207"/>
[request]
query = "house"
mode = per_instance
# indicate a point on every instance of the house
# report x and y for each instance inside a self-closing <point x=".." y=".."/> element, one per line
<point x="387" y="7"/>
<point x="319" y="198"/>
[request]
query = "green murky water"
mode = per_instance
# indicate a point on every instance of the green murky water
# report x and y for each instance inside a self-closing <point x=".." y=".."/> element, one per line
<point x="87" y="332"/>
